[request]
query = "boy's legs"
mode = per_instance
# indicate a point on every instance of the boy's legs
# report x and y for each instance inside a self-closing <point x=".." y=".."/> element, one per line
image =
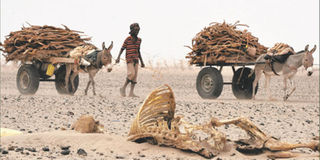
<point x="134" y="80"/>
<point x="130" y="76"/>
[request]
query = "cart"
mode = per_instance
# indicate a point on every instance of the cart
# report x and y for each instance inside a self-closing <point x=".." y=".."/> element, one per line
<point x="210" y="81"/>
<point x="32" y="72"/>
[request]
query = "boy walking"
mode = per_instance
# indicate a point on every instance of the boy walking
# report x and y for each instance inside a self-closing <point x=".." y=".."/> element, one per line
<point x="133" y="55"/>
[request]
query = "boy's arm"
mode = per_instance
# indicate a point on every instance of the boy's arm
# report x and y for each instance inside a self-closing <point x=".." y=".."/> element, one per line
<point x="118" y="59"/>
<point x="141" y="60"/>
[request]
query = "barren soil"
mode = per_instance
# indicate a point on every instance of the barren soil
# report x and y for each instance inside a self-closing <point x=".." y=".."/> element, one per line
<point x="42" y="116"/>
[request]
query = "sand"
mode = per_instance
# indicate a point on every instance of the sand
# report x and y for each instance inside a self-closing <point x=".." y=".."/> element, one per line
<point x="42" y="117"/>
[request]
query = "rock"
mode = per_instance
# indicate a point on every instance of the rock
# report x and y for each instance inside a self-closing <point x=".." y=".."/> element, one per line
<point x="31" y="149"/>
<point x="65" y="152"/>
<point x="142" y="155"/>
<point x="119" y="157"/>
<point x="11" y="148"/>
<point x="81" y="152"/>
<point x="309" y="121"/>
<point x="69" y="113"/>
<point x="19" y="149"/>
<point x="4" y="151"/>
<point x="65" y="147"/>
<point x="46" y="149"/>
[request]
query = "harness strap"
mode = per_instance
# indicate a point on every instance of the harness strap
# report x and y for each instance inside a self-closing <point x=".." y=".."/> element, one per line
<point x="272" y="68"/>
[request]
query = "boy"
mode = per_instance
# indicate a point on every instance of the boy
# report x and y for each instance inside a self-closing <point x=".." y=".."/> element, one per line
<point x="132" y="47"/>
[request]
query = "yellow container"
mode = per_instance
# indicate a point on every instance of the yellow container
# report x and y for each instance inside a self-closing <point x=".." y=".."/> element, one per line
<point x="50" y="70"/>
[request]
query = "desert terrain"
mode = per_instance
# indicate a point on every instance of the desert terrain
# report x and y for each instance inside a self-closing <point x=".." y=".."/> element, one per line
<point x="43" y="117"/>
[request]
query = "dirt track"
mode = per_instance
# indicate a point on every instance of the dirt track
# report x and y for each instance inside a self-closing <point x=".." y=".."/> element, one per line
<point x="296" y="120"/>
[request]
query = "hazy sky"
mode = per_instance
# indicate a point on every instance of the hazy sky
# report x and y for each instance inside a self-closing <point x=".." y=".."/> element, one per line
<point x="168" y="25"/>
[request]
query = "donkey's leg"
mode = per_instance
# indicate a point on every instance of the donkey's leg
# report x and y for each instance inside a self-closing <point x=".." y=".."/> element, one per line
<point x="267" y="86"/>
<point x="258" y="74"/>
<point x="92" y="73"/>
<point x="86" y="90"/>
<point x="285" y="87"/>
<point x="72" y="77"/>
<point x="66" y="79"/>
<point x="292" y="85"/>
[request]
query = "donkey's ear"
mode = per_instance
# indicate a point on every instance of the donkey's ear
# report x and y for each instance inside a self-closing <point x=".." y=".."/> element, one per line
<point x="111" y="46"/>
<point x="306" y="48"/>
<point x="313" y="49"/>
<point x="103" y="46"/>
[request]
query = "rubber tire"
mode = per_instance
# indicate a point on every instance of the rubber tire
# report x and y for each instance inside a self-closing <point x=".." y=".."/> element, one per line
<point x="60" y="81"/>
<point x="34" y="79"/>
<point x="243" y="90"/>
<point x="217" y="85"/>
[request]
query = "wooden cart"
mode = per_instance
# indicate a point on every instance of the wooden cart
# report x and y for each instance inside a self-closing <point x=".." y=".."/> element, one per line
<point x="210" y="81"/>
<point x="32" y="72"/>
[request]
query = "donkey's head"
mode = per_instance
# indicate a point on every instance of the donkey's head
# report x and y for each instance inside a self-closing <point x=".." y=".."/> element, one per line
<point x="106" y="57"/>
<point x="308" y="59"/>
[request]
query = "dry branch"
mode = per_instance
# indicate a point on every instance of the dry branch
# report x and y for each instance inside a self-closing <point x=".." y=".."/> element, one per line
<point x="40" y="42"/>
<point x="224" y="43"/>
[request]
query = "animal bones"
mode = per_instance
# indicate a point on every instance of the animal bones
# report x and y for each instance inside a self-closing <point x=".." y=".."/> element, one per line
<point x="157" y="124"/>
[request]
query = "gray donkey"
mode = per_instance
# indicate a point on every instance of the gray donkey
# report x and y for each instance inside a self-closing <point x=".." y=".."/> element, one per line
<point x="287" y="69"/>
<point x="104" y="58"/>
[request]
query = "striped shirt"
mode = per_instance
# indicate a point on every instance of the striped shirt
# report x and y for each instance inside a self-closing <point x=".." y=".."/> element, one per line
<point x="132" y="48"/>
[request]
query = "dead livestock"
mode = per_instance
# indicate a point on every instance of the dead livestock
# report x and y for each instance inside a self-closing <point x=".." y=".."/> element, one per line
<point x="157" y="123"/>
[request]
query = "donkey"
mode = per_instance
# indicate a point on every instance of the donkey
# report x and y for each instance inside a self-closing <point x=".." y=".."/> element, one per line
<point x="104" y="58"/>
<point x="288" y="70"/>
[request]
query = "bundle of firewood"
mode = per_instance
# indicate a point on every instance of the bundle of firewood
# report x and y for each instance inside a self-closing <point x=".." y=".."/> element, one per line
<point x="278" y="47"/>
<point x="40" y="42"/>
<point x="224" y="43"/>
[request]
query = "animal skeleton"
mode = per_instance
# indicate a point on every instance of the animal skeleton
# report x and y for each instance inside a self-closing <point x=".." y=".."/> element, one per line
<point x="157" y="124"/>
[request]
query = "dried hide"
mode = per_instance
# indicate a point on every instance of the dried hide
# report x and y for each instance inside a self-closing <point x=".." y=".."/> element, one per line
<point x="86" y="124"/>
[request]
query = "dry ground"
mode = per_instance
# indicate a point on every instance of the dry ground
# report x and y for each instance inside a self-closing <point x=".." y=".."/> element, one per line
<point x="40" y="117"/>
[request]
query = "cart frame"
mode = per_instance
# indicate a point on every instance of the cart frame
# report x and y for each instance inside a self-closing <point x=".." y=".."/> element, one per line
<point x="210" y="81"/>
<point x="32" y="72"/>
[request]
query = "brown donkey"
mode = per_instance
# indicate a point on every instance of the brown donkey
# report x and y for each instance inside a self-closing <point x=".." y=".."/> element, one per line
<point x="104" y="58"/>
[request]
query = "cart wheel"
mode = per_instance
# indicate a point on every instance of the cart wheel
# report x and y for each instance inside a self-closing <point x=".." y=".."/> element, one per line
<point x="242" y="86"/>
<point x="209" y="83"/>
<point x="28" y="79"/>
<point x="60" y="81"/>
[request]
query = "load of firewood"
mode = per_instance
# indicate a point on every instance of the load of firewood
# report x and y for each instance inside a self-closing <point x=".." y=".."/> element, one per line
<point x="40" y="42"/>
<point x="224" y="43"/>
<point x="278" y="48"/>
